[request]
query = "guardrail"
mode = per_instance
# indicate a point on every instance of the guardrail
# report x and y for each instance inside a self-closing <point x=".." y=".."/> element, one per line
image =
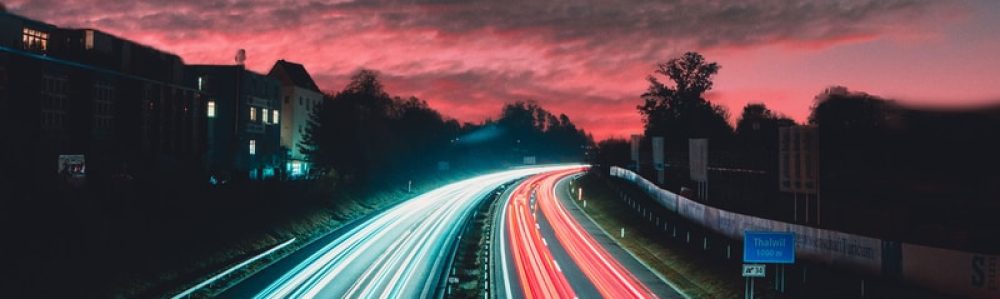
<point x="445" y="284"/>
<point x="970" y="274"/>
<point x="187" y="293"/>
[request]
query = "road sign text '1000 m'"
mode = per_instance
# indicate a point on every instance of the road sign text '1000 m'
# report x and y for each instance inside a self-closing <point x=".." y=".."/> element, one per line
<point x="768" y="247"/>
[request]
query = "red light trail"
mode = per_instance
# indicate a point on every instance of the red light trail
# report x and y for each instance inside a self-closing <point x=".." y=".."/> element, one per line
<point x="538" y="272"/>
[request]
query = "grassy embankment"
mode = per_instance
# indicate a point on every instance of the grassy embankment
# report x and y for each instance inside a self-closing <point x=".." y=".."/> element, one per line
<point x="691" y="271"/>
<point x="711" y="271"/>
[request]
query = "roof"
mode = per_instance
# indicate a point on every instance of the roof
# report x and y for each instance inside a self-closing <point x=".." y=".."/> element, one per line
<point x="294" y="73"/>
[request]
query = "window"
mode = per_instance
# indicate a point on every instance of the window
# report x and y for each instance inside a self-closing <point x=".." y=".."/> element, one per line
<point x="264" y="115"/>
<point x="201" y="83"/>
<point x="103" y="105"/>
<point x="253" y="147"/>
<point x="89" y="40"/>
<point x="53" y="102"/>
<point x="211" y="109"/>
<point x="274" y="116"/>
<point x="35" y="39"/>
<point x="253" y="114"/>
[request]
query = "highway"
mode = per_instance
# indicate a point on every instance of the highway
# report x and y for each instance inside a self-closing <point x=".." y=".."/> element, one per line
<point x="547" y="246"/>
<point x="538" y="272"/>
<point x="399" y="253"/>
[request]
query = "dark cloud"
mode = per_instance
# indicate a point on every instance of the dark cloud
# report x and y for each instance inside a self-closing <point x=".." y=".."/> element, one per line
<point x="703" y="23"/>
<point x="586" y="58"/>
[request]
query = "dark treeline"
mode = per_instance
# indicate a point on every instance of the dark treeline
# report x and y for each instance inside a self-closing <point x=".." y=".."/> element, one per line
<point x="363" y="134"/>
<point x="147" y="233"/>
<point x="869" y="143"/>
<point x="678" y="111"/>
<point x="369" y="138"/>
<point x="933" y="171"/>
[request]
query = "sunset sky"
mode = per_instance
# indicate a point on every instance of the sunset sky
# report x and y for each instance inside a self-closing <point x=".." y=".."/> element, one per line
<point x="587" y="59"/>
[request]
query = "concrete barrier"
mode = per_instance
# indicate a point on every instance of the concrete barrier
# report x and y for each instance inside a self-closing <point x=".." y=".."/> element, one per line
<point x="948" y="271"/>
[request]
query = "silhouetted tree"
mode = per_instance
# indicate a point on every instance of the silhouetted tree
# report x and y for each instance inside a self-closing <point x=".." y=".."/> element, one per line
<point x="350" y="131"/>
<point x="363" y="133"/>
<point x="837" y="107"/>
<point x="611" y="152"/>
<point x="423" y="135"/>
<point x="757" y="137"/>
<point x="366" y="135"/>
<point x="679" y="111"/>
<point x="533" y="131"/>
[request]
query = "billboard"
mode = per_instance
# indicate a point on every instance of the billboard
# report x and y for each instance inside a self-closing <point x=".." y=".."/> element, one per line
<point x="698" y="159"/>
<point x="634" y="142"/>
<point x="968" y="274"/>
<point x="798" y="159"/>
<point x="658" y="161"/>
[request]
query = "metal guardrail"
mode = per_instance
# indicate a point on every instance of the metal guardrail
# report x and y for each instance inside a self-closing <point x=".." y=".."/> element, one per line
<point x="445" y="287"/>
<point x="187" y="293"/>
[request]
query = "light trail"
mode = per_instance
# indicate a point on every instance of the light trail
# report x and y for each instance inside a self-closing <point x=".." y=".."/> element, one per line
<point x="397" y="253"/>
<point x="605" y="273"/>
<point x="537" y="270"/>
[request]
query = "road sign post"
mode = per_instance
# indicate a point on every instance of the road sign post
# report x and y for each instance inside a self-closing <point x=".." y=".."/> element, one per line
<point x="754" y="270"/>
<point x="767" y="247"/>
<point x="750" y="272"/>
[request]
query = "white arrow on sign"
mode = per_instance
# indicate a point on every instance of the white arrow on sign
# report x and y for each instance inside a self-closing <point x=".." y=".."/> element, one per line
<point x="754" y="270"/>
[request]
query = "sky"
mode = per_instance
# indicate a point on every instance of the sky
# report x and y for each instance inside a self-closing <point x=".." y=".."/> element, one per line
<point x="584" y="58"/>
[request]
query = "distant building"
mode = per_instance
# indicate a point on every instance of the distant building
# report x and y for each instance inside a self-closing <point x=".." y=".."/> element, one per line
<point x="244" y="113"/>
<point x="300" y="97"/>
<point x="84" y="92"/>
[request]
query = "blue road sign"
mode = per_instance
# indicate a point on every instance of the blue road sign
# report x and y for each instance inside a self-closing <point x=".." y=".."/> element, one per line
<point x="768" y="247"/>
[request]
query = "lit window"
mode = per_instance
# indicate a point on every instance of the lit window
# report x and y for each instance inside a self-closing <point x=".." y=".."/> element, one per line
<point x="201" y="83"/>
<point x="264" y="115"/>
<point x="211" y="109"/>
<point x="34" y="39"/>
<point x="253" y="114"/>
<point x="89" y="40"/>
<point x="274" y="116"/>
<point x="253" y="147"/>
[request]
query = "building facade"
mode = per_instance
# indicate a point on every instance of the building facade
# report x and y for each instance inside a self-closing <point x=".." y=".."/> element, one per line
<point x="119" y="106"/>
<point x="299" y="97"/>
<point x="243" y="126"/>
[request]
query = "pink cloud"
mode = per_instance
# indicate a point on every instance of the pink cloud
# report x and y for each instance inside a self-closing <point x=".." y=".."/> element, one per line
<point x="468" y="58"/>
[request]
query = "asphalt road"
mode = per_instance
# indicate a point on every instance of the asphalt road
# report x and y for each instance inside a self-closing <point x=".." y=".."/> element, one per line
<point x="398" y="253"/>
<point x="588" y="259"/>
<point x="636" y="268"/>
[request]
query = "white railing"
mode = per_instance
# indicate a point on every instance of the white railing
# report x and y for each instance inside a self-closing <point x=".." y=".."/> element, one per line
<point x="188" y="292"/>
<point x="970" y="274"/>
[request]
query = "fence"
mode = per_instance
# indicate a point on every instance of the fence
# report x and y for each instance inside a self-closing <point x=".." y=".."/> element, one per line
<point x="949" y="271"/>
